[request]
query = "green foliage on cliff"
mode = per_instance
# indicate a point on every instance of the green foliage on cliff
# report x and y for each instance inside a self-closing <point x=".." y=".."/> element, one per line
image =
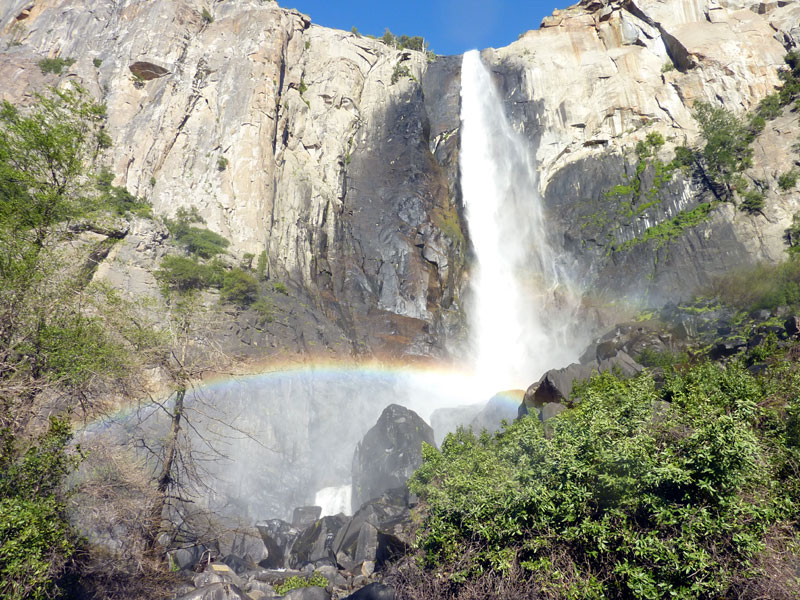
<point x="688" y="491"/>
<point x="55" y="65"/>
<point x="195" y="240"/>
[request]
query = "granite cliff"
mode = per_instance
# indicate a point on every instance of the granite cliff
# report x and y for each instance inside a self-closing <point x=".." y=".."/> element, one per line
<point x="337" y="155"/>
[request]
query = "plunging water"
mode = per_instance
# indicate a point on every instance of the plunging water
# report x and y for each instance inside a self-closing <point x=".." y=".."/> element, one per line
<point x="522" y="309"/>
<point x="289" y="435"/>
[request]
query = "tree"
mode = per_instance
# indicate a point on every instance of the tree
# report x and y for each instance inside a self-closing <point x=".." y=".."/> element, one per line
<point x="727" y="152"/>
<point x="54" y="348"/>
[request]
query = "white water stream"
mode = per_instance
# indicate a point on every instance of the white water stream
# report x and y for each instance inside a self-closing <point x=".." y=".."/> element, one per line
<point x="523" y="307"/>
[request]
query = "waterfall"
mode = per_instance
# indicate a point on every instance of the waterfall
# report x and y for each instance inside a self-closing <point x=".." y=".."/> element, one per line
<point x="522" y="309"/>
<point x="334" y="500"/>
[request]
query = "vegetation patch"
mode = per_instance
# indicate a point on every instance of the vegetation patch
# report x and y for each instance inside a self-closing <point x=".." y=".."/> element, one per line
<point x="637" y="492"/>
<point x="54" y="65"/>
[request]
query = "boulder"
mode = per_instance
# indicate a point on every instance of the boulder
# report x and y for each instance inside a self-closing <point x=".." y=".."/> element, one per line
<point x="185" y="558"/>
<point x="373" y="591"/>
<point x="307" y="593"/>
<point x="216" y="591"/>
<point x="315" y="543"/>
<point x="554" y="388"/>
<point x="377" y="533"/>
<point x="304" y="516"/>
<point x="248" y="545"/>
<point x="278" y="537"/>
<point x="238" y="564"/>
<point x="389" y="453"/>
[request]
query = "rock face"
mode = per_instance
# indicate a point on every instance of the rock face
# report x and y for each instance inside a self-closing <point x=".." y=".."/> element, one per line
<point x="337" y="155"/>
<point x="595" y="79"/>
<point x="389" y="453"/>
<point x="311" y="144"/>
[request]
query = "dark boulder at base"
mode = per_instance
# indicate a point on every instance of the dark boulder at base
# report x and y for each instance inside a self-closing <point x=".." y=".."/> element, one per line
<point x="216" y="591"/>
<point x="278" y="537"/>
<point x="389" y="453"/>
<point x="373" y="591"/>
<point x="555" y="386"/>
<point x="315" y="543"/>
<point x="304" y="516"/>
<point x="307" y="593"/>
<point x="377" y="533"/>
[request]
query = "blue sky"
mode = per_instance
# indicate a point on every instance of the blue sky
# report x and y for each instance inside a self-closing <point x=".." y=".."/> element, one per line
<point x="450" y="26"/>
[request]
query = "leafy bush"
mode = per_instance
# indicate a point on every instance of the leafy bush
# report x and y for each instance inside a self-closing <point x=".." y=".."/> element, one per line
<point x="770" y="107"/>
<point x="264" y="311"/>
<point x="634" y="493"/>
<point x="207" y="16"/>
<point x="35" y="538"/>
<point x="239" y="287"/>
<point x="399" y="72"/>
<point x="727" y="151"/>
<point x="294" y="582"/>
<point x="280" y="287"/>
<point x="763" y="286"/>
<point x="54" y="65"/>
<point x="97" y="62"/>
<point x="196" y="240"/>
<point x="118" y="199"/>
<point x="752" y="202"/>
<point x="183" y="273"/>
<point x="788" y="180"/>
<point x="222" y="163"/>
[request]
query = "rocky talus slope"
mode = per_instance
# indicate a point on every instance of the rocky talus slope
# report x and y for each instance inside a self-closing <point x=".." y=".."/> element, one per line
<point x="337" y="155"/>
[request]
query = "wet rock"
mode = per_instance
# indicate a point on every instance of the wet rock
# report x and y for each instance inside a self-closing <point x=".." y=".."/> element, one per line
<point x="278" y="537"/>
<point x="185" y="558"/>
<point x="389" y="453"/>
<point x="550" y="410"/>
<point x="307" y="593"/>
<point x="373" y="591"/>
<point x="304" y="516"/>
<point x="378" y="532"/>
<point x="333" y="576"/>
<point x="727" y="347"/>
<point x="216" y="591"/>
<point x="315" y="543"/>
<point x="792" y="326"/>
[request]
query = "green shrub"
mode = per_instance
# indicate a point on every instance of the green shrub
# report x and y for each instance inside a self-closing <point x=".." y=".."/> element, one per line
<point x="264" y="311"/>
<point x="196" y="240"/>
<point x="634" y="493"/>
<point x="399" y="72"/>
<point x="54" y="65"/>
<point x="203" y="242"/>
<point x="752" y="202"/>
<point x="207" y="16"/>
<point x="261" y="265"/>
<point x="183" y="273"/>
<point x="239" y="288"/>
<point x="727" y="151"/>
<point x="762" y="286"/>
<point x="788" y="180"/>
<point x="222" y="163"/>
<point x="97" y="62"/>
<point x="36" y="540"/>
<point x="294" y="582"/>
<point x="667" y="67"/>
<point x="769" y="107"/>
<point x="118" y="199"/>
<point x="280" y="287"/>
